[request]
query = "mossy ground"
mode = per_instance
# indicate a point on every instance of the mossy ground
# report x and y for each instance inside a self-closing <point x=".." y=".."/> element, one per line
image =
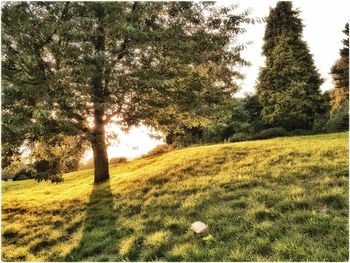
<point x="284" y="199"/>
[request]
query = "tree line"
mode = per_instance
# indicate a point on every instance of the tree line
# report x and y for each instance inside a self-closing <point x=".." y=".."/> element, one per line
<point x="288" y="99"/>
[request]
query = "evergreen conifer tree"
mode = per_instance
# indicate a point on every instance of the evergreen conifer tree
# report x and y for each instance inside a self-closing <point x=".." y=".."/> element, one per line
<point x="339" y="103"/>
<point x="340" y="74"/>
<point x="289" y="84"/>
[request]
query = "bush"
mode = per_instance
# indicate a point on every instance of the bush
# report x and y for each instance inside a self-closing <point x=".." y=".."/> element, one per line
<point x="271" y="133"/>
<point x="24" y="174"/>
<point x="240" y="136"/>
<point x="160" y="149"/>
<point x="5" y="176"/>
<point x="299" y="132"/>
<point x="118" y="160"/>
<point x="320" y="124"/>
<point x="340" y="120"/>
<point x="257" y="126"/>
<point x="42" y="166"/>
<point x="187" y="139"/>
<point x="21" y="177"/>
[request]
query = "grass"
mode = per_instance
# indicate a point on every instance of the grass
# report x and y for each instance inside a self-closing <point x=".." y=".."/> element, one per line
<point x="284" y="199"/>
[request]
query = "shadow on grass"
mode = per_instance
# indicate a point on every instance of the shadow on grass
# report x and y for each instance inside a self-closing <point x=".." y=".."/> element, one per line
<point x="100" y="235"/>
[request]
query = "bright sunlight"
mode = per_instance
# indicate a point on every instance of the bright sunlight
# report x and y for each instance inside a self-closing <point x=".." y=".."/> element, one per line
<point x="134" y="143"/>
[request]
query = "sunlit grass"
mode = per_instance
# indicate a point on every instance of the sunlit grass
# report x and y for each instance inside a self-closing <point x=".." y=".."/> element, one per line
<point x="281" y="199"/>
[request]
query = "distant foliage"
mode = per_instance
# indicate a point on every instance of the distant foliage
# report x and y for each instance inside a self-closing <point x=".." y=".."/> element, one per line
<point x="299" y="132"/>
<point x="6" y="175"/>
<point x="271" y="133"/>
<point x="340" y="70"/>
<point x="289" y="83"/>
<point x="118" y="160"/>
<point x="243" y="119"/>
<point x="340" y="120"/>
<point x="340" y="94"/>
<point x="160" y="149"/>
<point x="253" y="107"/>
<point x="42" y="166"/>
<point x="240" y="136"/>
<point x="24" y="174"/>
<point x="339" y="97"/>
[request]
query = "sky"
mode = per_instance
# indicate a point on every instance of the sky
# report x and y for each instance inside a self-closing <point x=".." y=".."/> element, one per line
<point x="323" y="24"/>
<point x="130" y="145"/>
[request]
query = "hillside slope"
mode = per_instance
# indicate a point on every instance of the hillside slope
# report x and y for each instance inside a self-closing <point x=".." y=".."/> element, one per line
<point x="281" y="199"/>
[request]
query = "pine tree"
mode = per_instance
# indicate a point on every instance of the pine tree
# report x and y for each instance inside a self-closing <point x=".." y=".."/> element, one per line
<point x="340" y="74"/>
<point x="339" y="103"/>
<point x="74" y="67"/>
<point x="289" y="84"/>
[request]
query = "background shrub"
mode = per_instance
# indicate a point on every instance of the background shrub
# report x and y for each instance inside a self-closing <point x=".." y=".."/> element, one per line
<point x="299" y="132"/>
<point x="271" y="133"/>
<point x="118" y="160"/>
<point x="240" y="136"/>
<point x="42" y="166"/>
<point x="340" y="120"/>
<point x="5" y="175"/>
<point x="24" y="174"/>
<point x="160" y="149"/>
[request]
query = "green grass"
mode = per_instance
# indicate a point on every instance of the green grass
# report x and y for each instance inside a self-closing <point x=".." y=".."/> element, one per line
<point x="283" y="199"/>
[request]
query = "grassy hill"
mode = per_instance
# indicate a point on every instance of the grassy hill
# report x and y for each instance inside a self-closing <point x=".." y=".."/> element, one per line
<point x="281" y="199"/>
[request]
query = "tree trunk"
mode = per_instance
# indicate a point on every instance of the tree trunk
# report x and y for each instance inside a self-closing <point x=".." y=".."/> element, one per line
<point x="100" y="95"/>
<point x="99" y="148"/>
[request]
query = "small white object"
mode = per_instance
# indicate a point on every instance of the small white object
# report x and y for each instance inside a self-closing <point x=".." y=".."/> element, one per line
<point x="198" y="227"/>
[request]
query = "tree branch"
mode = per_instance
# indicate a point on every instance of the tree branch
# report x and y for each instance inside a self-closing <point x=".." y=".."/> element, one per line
<point x="111" y="115"/>
<point x="49" y="38"/>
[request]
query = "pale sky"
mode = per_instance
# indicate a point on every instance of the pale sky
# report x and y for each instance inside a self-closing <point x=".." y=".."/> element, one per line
<point x="132" y="144"/>
<point x="323" y="24"/>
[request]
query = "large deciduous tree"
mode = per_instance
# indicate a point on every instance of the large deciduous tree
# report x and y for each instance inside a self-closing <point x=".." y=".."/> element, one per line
<point x="73" y="67"/>
<point x="289" y="84"/>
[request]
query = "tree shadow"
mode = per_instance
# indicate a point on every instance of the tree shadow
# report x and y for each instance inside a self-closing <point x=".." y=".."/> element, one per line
<point x="100" y="236"/>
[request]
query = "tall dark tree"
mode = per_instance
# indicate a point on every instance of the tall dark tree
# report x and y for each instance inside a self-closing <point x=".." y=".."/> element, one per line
<point x="289" y="84"/>
<point x="340" y="74"/>
<point x="74" y="67"/>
